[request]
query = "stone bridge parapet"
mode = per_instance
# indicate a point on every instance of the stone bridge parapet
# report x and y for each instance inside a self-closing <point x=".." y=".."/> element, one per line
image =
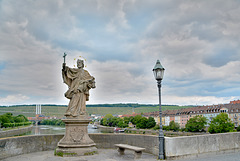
<point x="175" y="147"/>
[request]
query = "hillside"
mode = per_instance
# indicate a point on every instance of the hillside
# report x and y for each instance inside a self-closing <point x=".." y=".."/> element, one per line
<point x="101" y="109"/>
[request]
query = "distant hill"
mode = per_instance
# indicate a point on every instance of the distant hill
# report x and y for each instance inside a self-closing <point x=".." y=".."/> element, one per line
<point x="99" y="109"/>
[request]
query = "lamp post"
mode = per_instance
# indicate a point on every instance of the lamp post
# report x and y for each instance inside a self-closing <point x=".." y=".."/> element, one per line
<point x="158" y="72"/>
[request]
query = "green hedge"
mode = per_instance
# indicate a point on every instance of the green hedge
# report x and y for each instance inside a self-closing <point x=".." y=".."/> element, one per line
<point x="16" y="124"/>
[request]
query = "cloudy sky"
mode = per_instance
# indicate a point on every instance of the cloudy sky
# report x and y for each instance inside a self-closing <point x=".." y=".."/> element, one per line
<point x="197" y="42"/>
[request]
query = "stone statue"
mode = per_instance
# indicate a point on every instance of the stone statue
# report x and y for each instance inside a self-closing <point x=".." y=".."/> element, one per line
<point x="79" y="83"/>
<point x="76" y="140"/>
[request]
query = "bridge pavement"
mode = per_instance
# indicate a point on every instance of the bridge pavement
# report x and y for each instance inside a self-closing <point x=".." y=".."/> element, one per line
<point x="112" y="155"/>
<point x="104" y="155"/>
<point x="228" y="156"/>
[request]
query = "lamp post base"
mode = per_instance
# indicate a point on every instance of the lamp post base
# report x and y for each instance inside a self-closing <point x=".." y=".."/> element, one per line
<point x="161" y="147"/>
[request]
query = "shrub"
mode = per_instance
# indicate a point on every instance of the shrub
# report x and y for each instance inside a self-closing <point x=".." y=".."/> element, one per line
<point x="174" y="126"/>
<point x="196" y="124"/>
<point x="166" y="128"/>
<point x="220" y="124"/>
<point x="156" y="127"/>
<point x="58" y="122"/>
<point x="238" y="128"/>
<point x="183" y="129"/>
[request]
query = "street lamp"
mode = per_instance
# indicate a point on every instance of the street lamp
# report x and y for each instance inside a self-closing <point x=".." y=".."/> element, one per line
<point x="158" y="72"/>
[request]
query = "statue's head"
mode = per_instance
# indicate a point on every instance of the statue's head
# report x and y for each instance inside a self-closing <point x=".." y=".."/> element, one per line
<point x="80" y="63"/>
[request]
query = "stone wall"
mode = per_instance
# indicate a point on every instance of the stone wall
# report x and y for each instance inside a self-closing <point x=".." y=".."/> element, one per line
<point x="149" y="142"/>
<point x="34" y="143"/>
<point x="19" y="131"/>
<point x="187" y="146"/>
<point x="175" y="147"/>
<point x="27" y="144"/>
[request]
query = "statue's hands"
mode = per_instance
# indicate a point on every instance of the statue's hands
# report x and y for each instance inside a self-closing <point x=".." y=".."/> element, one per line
<point x="91" y="83"/>
<point x="64" y="66"/>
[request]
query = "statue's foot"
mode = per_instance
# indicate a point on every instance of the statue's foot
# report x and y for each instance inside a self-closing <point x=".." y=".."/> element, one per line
<point x="67" y="114"/>
<point x="82" y="113"/>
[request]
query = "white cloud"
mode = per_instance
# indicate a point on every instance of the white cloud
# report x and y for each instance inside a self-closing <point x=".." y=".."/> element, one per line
<point x="120" y="82"/>
<point x="118" y="20"/>
<point x="198" y="100"/>
<point x="13" y="99"/>
<point x="196" y="42"/>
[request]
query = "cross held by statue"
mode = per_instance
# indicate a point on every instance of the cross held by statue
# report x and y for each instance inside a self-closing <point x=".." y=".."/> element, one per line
<point x="64" y="55"/>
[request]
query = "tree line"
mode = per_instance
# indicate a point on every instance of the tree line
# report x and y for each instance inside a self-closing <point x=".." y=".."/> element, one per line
<point x="33" y="105"/>
<point x="134" y="105"/>
<point x="219" y="124"/>
<point x="138" y="120"/>
<point x="8" y="120"/>
<point x="57" y="122"/>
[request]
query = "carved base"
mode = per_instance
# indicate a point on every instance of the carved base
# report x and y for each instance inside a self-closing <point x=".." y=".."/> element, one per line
<point x="69" y="152"/>
<point x="76" y="140"/>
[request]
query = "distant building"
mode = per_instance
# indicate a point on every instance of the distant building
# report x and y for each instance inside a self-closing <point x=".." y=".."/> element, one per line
<point x="235" y="102"/>
<point x="128" y="115"/>
<point x="39" y="117"/>
<point x="131" y="125"/>
<point x="182" y="116"/>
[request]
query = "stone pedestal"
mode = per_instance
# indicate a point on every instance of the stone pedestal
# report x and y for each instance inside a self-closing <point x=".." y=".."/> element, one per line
<point x="76" y="141"/>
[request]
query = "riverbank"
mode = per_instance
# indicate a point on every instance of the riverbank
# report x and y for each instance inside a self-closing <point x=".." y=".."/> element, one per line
<point x="16" y="131"/>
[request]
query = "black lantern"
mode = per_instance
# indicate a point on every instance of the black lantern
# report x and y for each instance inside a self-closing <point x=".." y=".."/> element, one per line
<point x="158" y="71"/>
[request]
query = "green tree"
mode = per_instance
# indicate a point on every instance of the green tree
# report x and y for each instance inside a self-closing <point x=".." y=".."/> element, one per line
<point x="151" y="123"/>
<point x="156" y="127"/>
<point x="9" y="116"/>
<point x="238" y="128"/>
<point x="8" y="120"/>
<point x="165" y="128"/>
<point x="131" y="118"/>
<point x="62" y="123"/>
<point x="126" y="120"/>
<point x="115" y="121"/>
<point x="196" y="124"/>
<point x="57" y="122"/>
<point x="107" y="119"/>
<point x="4" y="119"/>
<point x="24" y="117"/>
<point x="220" y="124"/>
<point x="101" y="122"/>
<point x="45" y="122"/>
<point x="174" y="126"/>
<point x="136" y="119"/>
<point x="18" y="119"/>
<point x="122" y="124"/>
<point x="142" y="123"/>
<point x="53" y="122"/>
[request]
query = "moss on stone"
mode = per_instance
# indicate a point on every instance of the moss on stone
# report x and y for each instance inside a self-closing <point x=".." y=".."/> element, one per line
<point x="91" y="153"/>
<point x="61" y="154"/>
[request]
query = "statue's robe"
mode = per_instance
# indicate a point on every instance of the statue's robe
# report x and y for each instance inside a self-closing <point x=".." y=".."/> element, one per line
<point x="78" y="81"/>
